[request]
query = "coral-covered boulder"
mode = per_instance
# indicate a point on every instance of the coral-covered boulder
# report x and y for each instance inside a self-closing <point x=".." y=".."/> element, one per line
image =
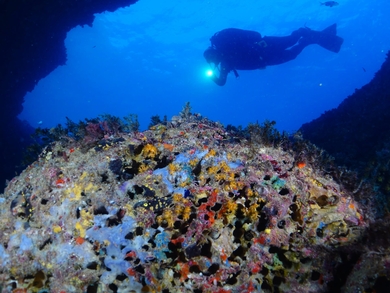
<point x="182" y="207"/>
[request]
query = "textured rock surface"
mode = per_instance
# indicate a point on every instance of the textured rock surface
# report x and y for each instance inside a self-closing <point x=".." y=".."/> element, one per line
<point x="185" y="207"/>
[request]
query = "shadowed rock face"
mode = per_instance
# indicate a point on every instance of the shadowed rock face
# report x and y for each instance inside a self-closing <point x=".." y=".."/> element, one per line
<point x="32" y="35"/>
<point x="359" y="127"/>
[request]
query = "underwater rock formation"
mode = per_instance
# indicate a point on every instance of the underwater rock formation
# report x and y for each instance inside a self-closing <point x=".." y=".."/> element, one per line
<point x="182" y="207"/>
<point x="32" y="41"/>
<point x="32" y="35"/>
<point x="359" y="127"/>
<point x="357" y="134"/>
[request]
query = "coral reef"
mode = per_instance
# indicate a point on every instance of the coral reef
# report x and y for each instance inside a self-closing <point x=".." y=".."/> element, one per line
<point x="182" y="207"/>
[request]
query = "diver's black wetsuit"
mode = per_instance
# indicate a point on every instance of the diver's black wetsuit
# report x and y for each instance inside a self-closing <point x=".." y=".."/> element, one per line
<point x="246" y="50"/>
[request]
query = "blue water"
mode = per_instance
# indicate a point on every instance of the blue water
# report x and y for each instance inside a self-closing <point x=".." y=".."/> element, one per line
<point x="147" y="59"/>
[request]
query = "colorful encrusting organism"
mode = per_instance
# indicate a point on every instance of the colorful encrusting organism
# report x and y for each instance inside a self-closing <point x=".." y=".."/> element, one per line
<point x="183" y="207"/>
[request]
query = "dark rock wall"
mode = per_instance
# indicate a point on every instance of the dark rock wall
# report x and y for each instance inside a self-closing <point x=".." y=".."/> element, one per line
<point x="32" y="34"/>
<point x="359" y="127"/>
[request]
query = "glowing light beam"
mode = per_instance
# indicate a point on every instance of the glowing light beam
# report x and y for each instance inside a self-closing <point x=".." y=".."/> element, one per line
<point x="209" y="72"/>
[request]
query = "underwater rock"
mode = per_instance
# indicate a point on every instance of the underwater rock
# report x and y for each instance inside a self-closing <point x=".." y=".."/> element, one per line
<point x="201" y="212"/>
<point x="358" y="128"/>
<point x="357" y="135"/>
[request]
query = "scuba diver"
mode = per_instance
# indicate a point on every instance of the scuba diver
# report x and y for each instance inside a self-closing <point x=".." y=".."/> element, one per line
<point x="235" y="49"/>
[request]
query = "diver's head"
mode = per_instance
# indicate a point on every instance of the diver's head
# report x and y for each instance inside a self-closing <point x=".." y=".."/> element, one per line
<point x="212" y="56"/>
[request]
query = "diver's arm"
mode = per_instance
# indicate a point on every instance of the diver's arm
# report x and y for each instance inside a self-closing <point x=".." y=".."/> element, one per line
<point x="221" y="80"/>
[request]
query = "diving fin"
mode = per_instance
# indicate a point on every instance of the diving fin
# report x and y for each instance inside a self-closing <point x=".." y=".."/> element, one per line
<point x="328" y="39"/>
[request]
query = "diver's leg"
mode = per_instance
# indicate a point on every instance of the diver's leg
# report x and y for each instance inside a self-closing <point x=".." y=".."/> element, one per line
<point x="281" y="43"/>
<point x="281" y="56"/>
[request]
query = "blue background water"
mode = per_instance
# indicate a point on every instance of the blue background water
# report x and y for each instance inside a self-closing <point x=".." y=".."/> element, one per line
<point x="147" y="59"/>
